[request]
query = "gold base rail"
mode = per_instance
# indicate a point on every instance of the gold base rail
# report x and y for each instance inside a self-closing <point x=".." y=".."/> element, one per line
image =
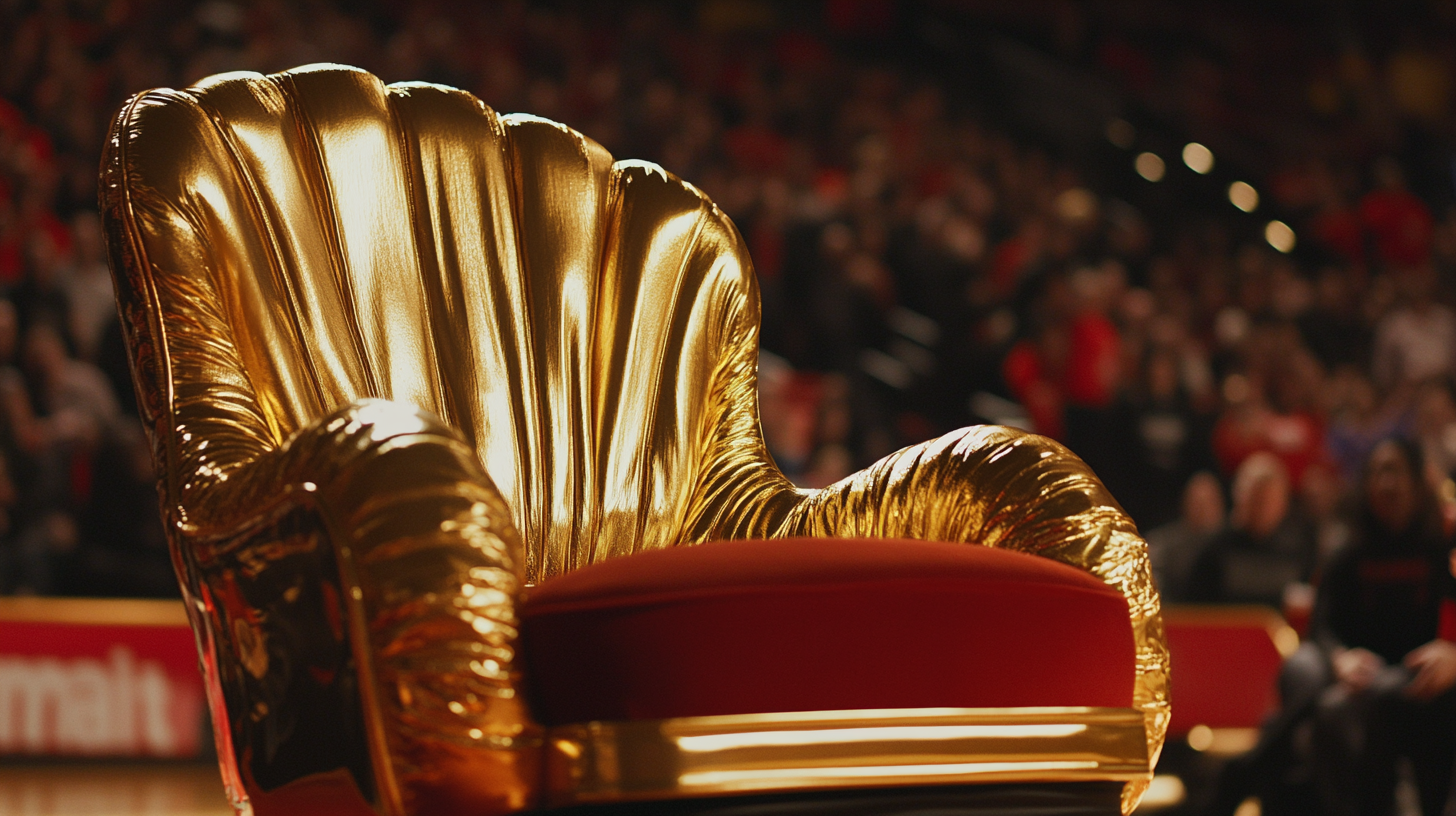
<point x="708" y="756"/>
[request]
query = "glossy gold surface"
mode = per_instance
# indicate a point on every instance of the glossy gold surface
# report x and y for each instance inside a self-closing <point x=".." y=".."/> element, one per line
<point x="712" y="756"/>
<point x="584" y="331"/>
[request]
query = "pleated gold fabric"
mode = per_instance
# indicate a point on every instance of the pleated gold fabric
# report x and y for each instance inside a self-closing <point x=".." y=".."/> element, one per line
<point x="288" y="248"/>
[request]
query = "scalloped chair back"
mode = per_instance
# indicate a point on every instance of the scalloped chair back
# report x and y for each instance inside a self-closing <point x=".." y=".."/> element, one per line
<point x="588" y="326"/>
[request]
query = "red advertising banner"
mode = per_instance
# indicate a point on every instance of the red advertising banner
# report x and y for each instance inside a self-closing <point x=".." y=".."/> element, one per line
<point x="99" y="678"/>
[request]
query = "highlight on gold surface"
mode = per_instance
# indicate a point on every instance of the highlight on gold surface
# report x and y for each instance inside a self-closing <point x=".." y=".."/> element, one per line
<point x="701" y="756"/>
<point x="874" y="774"/>
<point x="329" y="361"/>
<point x="720" y="742"/>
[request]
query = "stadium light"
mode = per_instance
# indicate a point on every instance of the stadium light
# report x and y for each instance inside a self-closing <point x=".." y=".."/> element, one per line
<point x="1150" y="166"/>
<point x="1279" y="235"/>
<point x="1243" y="195"/>
<point x="1121" y="133"/>
<point x="1198" y="158"/>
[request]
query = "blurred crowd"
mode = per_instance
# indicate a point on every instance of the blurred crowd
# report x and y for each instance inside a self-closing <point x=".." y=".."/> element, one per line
<point x="930" y="254"/>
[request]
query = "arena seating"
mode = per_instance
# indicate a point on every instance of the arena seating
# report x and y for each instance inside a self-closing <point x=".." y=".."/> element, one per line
<point x="1225" y="661"/>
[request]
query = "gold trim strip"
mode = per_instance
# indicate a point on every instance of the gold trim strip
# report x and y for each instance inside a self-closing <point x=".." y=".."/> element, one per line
<point x="707" y="756"/>
<point x="94" y="611"/>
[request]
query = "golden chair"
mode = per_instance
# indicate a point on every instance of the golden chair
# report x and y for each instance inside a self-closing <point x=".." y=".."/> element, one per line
<point x="348" y="303"/>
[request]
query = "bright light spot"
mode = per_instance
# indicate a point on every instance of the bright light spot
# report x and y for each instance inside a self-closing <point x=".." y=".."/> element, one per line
<point x="1233" y="741"/>
<point x="1149" y="166"/>
<point x="1121" y="133"/>
<point x="1165" y="791"/>
<point x="1286" y="640"/>
<point x="1250" y="807"/>
<point x="1279" y="236"/>
<point x="1198" y="158"/>
<point x="1222" y="741"/>
<point x="1244" y="196"/>
<point x="1077" y="204"/>
<point x="1200" y="738"/>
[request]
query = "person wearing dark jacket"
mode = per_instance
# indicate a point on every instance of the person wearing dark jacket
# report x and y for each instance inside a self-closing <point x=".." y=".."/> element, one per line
<point x="1266" y="546"/>
<point x="1392" y="689"/>
<point x="1374" y="682"/>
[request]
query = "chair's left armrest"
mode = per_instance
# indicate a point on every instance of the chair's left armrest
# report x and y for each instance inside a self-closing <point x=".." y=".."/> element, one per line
<point x="373" y="545"/>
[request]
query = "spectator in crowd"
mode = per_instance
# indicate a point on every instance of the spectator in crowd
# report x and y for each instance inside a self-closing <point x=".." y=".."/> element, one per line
<point x="1375" y="680"/>
<point x="1170" y="443"/>
<point x="914" y="239"/>
<point x="89" y="296"/>
<point x="1176" y="546"/>
<point x="1331" y="328"/>
<point x="62" y="415"/>
<point x="1398" y="222"/>
<point x="73" y="396"/>
<point x="39" y="531"/>
<point x="1322" y="501"/>
<point x="1266" y="548"/>
<point x="1391" y="690"/>
<point x="1358" y="419"/>
<point x="1416" y="341"/>
<point x="1433" y="426"/>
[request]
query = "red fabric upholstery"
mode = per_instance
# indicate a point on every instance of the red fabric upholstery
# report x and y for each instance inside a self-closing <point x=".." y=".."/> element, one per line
<point x="822" y="624"/>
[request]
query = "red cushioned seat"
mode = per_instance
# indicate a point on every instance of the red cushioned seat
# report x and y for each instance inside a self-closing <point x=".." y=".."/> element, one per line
<point x="822" y="624"/>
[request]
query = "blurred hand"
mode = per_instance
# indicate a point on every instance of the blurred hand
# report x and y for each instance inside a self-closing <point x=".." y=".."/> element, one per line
<point x="1356" y="668"/>
<point x="1435" y="668"/>
<point x="61" y="532"/>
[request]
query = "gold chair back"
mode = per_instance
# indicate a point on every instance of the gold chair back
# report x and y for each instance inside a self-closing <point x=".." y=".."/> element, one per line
<point x="589" y="326"/>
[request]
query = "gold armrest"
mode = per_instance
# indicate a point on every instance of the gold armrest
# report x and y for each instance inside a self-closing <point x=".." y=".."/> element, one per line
<point x="1000" y="487"/>
<point x="357" y="587"/>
